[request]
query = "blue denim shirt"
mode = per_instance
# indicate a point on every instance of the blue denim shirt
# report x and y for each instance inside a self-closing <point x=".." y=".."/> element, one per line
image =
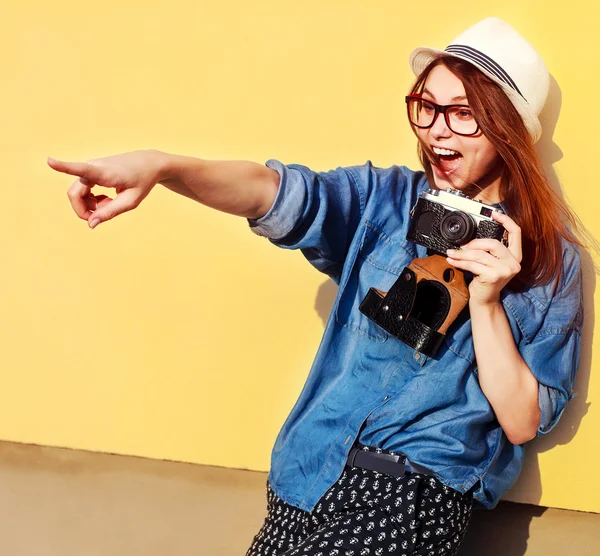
<point x="365" y="385"/>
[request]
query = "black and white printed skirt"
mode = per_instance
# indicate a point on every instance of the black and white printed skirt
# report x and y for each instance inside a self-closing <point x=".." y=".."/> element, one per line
<point x="367" y="513"/>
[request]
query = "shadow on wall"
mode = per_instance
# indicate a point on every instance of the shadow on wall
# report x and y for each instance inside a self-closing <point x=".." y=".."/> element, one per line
<point x="507" y="527"/>
<point x="325" y="299"/>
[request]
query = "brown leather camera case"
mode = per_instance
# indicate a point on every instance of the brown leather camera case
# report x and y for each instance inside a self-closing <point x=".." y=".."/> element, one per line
<point x="423" y="302"/>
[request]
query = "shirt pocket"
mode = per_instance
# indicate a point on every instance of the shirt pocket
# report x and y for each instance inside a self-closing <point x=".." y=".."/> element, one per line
<point x="459" y="338"/>
<point x="378" y="263"/>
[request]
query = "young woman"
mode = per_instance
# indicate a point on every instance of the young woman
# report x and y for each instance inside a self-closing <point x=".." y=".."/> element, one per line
<point x="386" y="448"/>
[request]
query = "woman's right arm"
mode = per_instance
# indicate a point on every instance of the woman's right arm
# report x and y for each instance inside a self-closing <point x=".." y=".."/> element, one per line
<point x="241" y="188"/>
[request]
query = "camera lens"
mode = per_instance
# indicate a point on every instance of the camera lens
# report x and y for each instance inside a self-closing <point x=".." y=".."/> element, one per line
<point x="458" y="228"/>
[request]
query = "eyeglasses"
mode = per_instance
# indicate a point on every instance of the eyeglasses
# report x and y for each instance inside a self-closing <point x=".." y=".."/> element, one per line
<point x="459" y="118"/>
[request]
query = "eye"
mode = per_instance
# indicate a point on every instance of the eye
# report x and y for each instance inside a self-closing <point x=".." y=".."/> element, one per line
<point x="427" y="107"/>
<point x="464" y="114"/>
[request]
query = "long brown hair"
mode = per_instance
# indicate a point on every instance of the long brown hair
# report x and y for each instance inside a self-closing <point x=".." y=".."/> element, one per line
<point x="529" y="199"/>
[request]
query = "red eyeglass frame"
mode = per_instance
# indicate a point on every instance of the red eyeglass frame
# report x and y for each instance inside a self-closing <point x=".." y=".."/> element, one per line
<point x="439" y="109"/>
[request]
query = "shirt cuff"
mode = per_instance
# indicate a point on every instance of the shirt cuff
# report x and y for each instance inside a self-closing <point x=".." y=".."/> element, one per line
<point x="552" y="404"/>
<point x="287" y="208"/>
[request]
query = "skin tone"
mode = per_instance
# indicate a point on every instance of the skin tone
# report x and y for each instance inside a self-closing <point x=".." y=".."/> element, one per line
<point x="478" y="171"/>
<point x="248" y="189"/>
<point x="242" y="188"/>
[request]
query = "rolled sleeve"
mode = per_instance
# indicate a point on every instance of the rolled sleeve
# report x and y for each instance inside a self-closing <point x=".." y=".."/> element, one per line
<point x="553" y="359"/>
<point x="317" y="212"/>
<point x="552" y="404"/>
<point x="287" y="207"/>
<point x="552" y="352"/>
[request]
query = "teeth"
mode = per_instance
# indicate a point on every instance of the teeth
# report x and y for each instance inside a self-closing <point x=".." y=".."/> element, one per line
<point x="446" y="152"/>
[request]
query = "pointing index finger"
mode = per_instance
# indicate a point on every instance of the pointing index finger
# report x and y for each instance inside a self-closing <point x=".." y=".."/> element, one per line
<point x="83" y="170"/>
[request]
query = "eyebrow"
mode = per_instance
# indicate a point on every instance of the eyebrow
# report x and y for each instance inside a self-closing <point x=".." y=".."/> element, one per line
<point x="455" y="99"/>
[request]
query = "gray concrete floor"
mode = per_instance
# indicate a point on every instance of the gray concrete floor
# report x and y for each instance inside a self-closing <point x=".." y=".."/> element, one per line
<point x="57" y="502"/>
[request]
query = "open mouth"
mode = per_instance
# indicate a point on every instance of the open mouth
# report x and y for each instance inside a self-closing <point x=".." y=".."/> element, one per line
<point x="448" y="160"/>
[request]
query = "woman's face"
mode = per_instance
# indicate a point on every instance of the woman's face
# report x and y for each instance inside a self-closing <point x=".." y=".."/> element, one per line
<point x="464" y="162"/>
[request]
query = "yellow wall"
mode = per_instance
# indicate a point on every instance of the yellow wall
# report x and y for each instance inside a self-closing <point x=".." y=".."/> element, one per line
<point x="173" y="332"/>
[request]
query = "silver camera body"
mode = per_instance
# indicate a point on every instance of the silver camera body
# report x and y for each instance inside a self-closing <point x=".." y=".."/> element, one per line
<point x="442" y="220"/>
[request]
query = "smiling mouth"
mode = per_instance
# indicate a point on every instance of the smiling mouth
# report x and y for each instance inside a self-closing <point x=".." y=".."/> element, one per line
<point x="447" y="159"/>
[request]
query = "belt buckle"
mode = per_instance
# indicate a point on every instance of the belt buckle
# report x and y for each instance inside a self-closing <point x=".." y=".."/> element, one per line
<point x="387" y="463"/>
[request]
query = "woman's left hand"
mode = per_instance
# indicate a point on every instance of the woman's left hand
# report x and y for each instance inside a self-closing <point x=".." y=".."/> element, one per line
<point x="492" y="263"/>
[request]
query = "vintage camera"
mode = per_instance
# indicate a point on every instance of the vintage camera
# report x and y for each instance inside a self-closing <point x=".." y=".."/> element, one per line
<point x="444" y="220"/>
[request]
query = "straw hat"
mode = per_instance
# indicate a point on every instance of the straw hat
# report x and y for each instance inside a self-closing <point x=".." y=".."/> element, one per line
<point x="496" y="49"/>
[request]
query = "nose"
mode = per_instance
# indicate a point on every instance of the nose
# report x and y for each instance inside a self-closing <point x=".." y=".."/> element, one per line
<point x="440" y="128"/>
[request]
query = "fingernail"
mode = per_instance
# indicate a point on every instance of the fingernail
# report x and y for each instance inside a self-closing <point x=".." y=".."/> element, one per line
<point x="94" y="223"/>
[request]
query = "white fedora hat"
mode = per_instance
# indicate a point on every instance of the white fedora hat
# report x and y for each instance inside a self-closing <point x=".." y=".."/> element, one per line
<point x="496" y="49"/>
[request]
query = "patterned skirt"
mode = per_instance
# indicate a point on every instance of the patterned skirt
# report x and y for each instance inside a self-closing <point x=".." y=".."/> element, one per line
<point x="367" y="513"/>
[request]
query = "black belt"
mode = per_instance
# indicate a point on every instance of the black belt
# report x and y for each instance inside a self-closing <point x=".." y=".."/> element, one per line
<point x="392" y="464"/>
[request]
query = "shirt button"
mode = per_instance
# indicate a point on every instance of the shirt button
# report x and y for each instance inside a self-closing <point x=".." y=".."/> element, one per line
<point x="417" y="356"/>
